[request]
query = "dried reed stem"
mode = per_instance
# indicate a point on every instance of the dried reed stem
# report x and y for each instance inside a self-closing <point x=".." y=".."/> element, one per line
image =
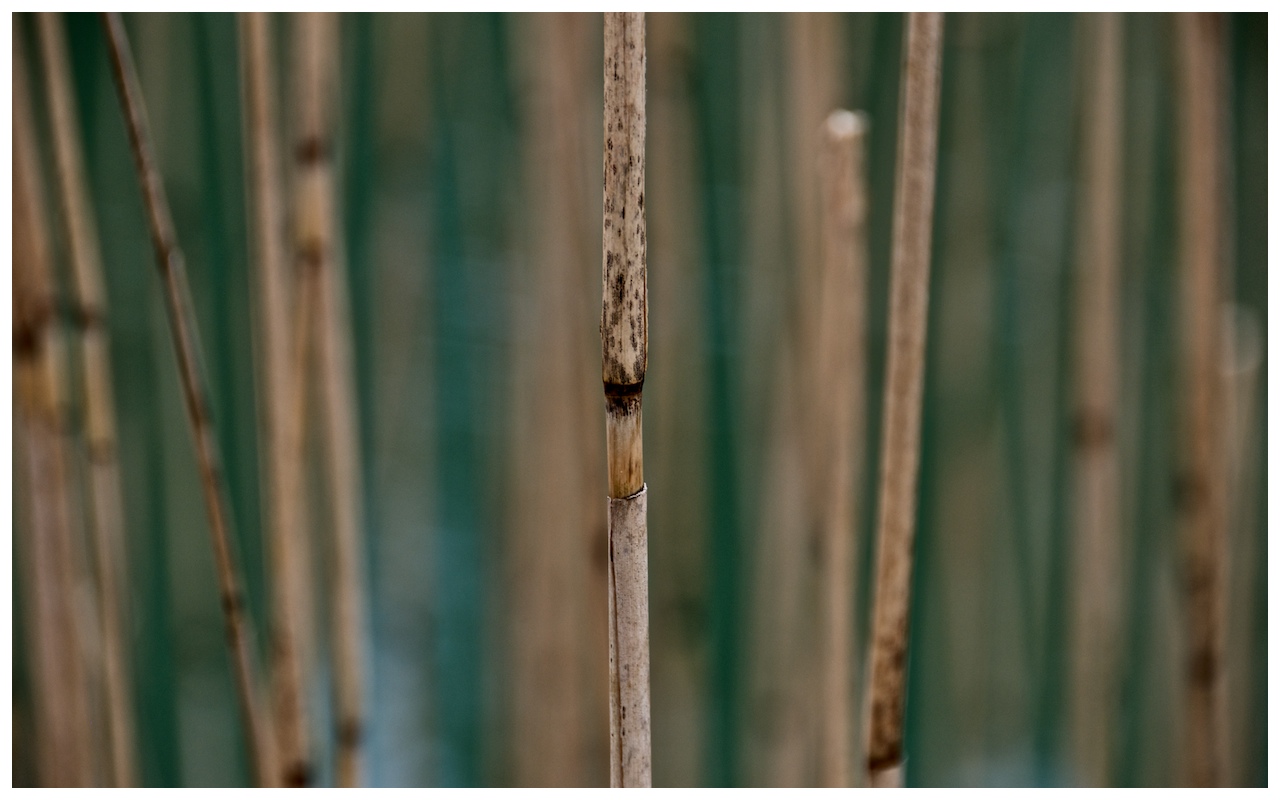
<point x="625" y="337"/>
<point x="61" y="702"/>
<point x="283" y="457"/>
<point x="1098" y="599"/>
<point x="317" y="86"/>
<point x="89" y="300"/>
<point x="841" y="349"/>
<point x="170" y="262"/>
<point x="1202" y="484"/>
<point x="903" y="393"/>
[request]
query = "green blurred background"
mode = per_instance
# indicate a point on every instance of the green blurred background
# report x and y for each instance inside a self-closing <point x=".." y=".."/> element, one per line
<point x="471" y="225"/>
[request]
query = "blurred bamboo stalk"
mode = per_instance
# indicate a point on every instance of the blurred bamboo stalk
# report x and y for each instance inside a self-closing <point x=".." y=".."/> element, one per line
<point x="551" y="536"/>
<point x="1098" y="599"/>
<point x="904" y="389"/>
<point x="186" y="343"/>
<point x="625" y="339"/>
<point x="89" y="300"/>
<point x="1202" y="483"/>
<point x="841" y="353"/>
<point x="1240" y="369"/>
<point x="62" y="716"/>
<point x="317" y="43"/>
<point x="283" y="476"/>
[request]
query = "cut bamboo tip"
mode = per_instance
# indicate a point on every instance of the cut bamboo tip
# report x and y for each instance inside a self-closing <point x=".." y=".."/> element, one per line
<point x="843" y="125"/>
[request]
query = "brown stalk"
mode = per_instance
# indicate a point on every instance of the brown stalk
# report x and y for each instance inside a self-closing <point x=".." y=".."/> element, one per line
<point x="904" y="389"/>
<point x="186" y="347"/>
<point x="1095" y="635"/>
<point x="316" y="39"/>
<point x="283" y="456"/>
<point x="1202" y="485"/>
<point x="841" y="359"/>
<point x="625" y="338"/>
<point x="61" y="702"/>
<point x="89" y="299"/>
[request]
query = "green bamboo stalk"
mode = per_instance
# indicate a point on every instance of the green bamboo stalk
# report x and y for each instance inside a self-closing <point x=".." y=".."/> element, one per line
<point x="318" y="250"/>
<point x="283" y="476"/>
<point x="1098" y="596"/>
<point x="172" y="268"/>
<point x="904" y="388"/>
<point x="62" y="717"/>
<point x="841" y="361"/>
<point x="1202" y="485"/>
<point x="89" y="299"/>
<point x="625" y="338"/>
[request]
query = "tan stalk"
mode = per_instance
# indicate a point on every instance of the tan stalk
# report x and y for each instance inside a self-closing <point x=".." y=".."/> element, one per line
<point x="1098" y="599"/>
<point x="89" y="299"/>
<point x="1202" y="484"/>
<point x="186" y="347"/>
<point x="549" y="567"/>
<point x="625" y="337"/>
<point x="903" y="394"/>
<point x="61" y="703"/>
<point x="284" y="463"/>
<point x="316" y="40"/>
<point x="841" y="358"/>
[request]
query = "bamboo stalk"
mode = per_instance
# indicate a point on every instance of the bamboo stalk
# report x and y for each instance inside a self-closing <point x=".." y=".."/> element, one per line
<point x="625" y="338"/>
<point x="318" y="250"/>
<point x="172" y="269"/>
<point x="89" y="299"/>
<point x="841" y="362"/>
<point x="1202" y="485"/>
<point x="61" y="704"/>
<point x="904" y="388"/>
<point x="280" y="388"/>
<point x="1098" y="600"/>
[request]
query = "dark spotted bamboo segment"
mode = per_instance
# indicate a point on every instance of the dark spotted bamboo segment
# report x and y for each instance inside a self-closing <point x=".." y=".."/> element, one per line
<point x="624" y="322"/>
<point x="283" y="458"/>
<point x="1202" y="486"/>
<point x="625" y="339"/>
<point x="63" y="743"/>
<point x="904" y="390"/>
<point x="103" y="472"/>
<point x="195" y="394"/>
<point x="842" y="367"/>
<point x="1098" y="600"/>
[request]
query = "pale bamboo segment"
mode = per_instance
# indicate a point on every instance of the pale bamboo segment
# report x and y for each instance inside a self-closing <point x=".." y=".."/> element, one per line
<point x="89" y="300"/>
<point x="1095" y="635"/>
<point x="624" y="336"/>
<point x="172" y="269"/>
<point x="1202" y="485"/>
<point x="283" y="458"/>
<point x="904" y="389"/>
<point x="62" y="715"/>
<point x="318" y="47"/>
<point x="841" y="350"/>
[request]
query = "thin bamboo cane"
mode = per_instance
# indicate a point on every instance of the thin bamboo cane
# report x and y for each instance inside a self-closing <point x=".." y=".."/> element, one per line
<point x="625" y="338"/>
<point x="1095" y="634"/>
<point x="284" y="457"/>
<point x="317" y="87"/>
<point x="904" y="388"/>
<point x="1202" y="485"/>
<point x="89" y="299"/>
<point x="172" y="268"/>
<point x="841" y="362"/>
<point x="62" y="705"/>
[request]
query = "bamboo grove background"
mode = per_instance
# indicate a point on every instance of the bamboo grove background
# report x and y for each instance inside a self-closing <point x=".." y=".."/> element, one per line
<point x="468" y="161"/>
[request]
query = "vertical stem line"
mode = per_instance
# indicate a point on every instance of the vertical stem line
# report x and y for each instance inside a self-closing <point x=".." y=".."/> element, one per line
<point x="625" y="339"/>
<point x="904" y="384"/>
<point x="172" y="268"/>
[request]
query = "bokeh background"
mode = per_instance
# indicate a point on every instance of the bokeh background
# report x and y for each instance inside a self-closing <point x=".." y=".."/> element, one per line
<point x="469" y="158"/>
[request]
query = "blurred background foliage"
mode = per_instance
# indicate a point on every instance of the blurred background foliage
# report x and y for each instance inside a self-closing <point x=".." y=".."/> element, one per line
<point x="469" y="154"/>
